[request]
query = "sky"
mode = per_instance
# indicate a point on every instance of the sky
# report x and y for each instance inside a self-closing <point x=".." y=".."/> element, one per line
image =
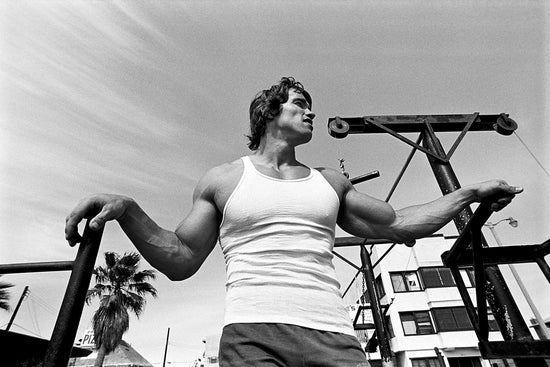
<point x="141" y="98"/>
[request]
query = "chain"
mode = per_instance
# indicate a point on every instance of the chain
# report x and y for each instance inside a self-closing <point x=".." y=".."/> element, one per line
<point x="342" y="167"/>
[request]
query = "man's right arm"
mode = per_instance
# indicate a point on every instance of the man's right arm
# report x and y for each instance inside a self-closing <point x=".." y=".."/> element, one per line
<point x="178" y="254"/>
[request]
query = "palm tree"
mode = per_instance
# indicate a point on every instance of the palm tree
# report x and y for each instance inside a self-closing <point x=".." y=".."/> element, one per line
<point x="120" y="288"/>
<point x="5" y="296"/>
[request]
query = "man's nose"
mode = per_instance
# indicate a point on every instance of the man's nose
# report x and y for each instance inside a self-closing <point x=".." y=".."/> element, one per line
<point x="310" y="114"/>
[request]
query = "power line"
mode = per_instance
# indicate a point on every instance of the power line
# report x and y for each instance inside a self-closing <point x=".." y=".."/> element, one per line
<point x="532" y="154"/>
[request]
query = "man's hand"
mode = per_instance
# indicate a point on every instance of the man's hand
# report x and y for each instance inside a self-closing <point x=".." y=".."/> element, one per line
<point x="101" y="208"/>
<point x="499" y="189"/>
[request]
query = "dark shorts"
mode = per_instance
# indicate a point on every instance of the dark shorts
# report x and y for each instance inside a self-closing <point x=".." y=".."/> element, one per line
<point x="262" y="345"/>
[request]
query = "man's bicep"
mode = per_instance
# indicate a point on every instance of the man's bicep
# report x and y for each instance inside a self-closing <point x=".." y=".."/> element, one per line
<point x="199" y="230"/>
<point x="365" y="216"/>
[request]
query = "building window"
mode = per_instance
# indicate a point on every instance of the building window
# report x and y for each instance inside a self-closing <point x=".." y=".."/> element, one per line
<point x="451" y="319"/>
<point x="502" y="363"/>
<point x="405" y="281"/>
<point x="416" y="323"/>
<point x="425" y="362"/>
<point x="437" y="277"/>
<point x="464" y="362"/>
<point x="468" y="277"/>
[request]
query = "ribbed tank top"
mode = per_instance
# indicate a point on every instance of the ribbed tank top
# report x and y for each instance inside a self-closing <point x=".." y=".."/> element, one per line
<point x="277" y="238"/>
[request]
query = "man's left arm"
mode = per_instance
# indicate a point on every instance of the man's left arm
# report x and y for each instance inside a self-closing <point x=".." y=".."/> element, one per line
<point x="367" y="217"/>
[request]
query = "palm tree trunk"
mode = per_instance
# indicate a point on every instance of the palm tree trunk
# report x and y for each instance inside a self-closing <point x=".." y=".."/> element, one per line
<point x="101" y="353"/>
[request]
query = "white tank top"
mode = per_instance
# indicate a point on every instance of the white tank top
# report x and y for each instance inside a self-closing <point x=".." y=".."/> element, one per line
<point x="277" y="238"/>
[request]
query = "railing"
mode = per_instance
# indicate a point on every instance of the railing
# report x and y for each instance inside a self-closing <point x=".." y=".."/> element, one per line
<point x="66" y="326"/>
<point x="469" y="251"/>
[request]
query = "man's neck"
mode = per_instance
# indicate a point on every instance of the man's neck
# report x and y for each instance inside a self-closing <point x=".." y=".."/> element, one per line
<point x="276" y="154"/>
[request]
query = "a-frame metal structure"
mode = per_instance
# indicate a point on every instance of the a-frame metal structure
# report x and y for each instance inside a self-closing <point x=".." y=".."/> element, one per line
<point x="470" y="248"/>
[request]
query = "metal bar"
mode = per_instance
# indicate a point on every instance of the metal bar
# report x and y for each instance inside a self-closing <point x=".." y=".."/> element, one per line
<point x="36" y="267"/>
<point x="466" y="299"/>
<point x="479" y="276"/>
<point x="543" y="249"/>
<point x="64" y="332"/>
<point x="365" y="177"/>
<point x="496" y="255"/>
<point x="415" y="123"/>
<point x="404" y="139"/>
<point x="356" y="241"/>
<point x="404" y="168"/>
<point x="381" y="334"/>
<point x="461" y="136"/>
<point x="346" y="260"/>
<point x="351" y="283"/>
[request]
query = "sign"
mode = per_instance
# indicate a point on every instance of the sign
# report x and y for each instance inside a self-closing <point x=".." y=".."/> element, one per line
<point x="88" y="339"/>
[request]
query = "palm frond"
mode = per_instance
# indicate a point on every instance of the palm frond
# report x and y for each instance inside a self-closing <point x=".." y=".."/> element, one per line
<point x="5" y="296"/>
<point x="111" y="258"/>
<point x="143" y="276"/>
<point x="143" y="289"/>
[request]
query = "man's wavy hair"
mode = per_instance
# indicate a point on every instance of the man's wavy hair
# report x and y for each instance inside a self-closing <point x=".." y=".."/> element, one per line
<point x="267" y="105"/>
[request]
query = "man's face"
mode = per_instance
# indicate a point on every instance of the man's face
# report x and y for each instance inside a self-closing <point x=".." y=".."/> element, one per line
<point x="295" y="121"/>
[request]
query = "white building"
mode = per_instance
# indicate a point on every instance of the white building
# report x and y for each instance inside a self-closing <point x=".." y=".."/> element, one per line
<point x="426" y="310"/>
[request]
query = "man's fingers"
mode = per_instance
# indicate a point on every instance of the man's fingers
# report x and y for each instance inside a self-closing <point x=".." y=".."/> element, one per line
<point x="71" y="229"/>
<point x="106" y="214"/>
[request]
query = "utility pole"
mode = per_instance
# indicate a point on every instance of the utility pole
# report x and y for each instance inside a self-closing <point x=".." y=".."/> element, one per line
<point x="25" y="291"/>
<point x="166" y="348"/>
<point x="538" y="316"/>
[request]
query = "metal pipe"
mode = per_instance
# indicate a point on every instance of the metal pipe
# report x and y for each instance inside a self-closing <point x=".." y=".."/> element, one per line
<point x="64" y="332"/>
<point x="381" y="334"/>
<point x="36" y="267"/>
<point x="544" y="267"/>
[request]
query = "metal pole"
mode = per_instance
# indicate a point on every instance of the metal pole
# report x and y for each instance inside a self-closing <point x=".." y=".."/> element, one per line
<point x="166" y="348"/>
<point x="64" y="332"/>
<point x="506" y="312"/>
<point x="17" y="307"/>
<point x="381" y="334"/>
<point x="538" y="316"/>
<point x="36" y="267"/>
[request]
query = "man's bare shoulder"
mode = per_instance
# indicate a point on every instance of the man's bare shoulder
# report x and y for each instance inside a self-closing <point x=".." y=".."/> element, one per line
<point x="336" y="179"/>
<point x="223" y="174"/>
<point x="219" y="182"/>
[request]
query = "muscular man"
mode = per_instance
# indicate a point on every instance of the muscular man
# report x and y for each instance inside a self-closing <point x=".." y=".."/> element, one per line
<point x="275" y="219"/>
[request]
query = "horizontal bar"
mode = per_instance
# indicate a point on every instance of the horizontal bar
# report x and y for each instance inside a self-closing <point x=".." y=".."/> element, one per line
<point x="36" y="267"/>
<point x="365" y="177"/>
<point x="417" y="123"/>
<point x="356" y="241"/>
<point x="501" y="255"/>
<point x="367" y="326"/>
<point x="515" y="349"/>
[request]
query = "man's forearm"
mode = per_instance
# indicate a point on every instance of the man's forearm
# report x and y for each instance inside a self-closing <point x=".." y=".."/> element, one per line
<point x="422" y="220"/>
<point x="160" y="247"/>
